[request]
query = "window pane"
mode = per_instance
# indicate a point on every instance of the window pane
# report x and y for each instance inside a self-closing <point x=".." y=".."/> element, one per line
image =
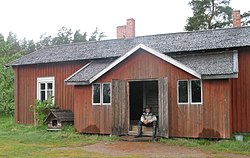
<point x="183" y="91"/>
<point x="46" y="87"/>
<point x="42" y="85"/>
<point x="96" y="93"/>
<point x="196" y="91"/>
<point x="42" y="95"/>
<point x="106" y="93"/>
<point x="49" y="94"/>
<point x="50" y="86"/>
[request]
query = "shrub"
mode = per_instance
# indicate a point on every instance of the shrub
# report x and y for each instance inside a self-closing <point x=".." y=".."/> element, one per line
<point x="41" y="109"/>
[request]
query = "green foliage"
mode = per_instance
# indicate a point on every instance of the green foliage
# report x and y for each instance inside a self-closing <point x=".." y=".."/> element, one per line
<point x="209" y="14"/>
<point x="96" y="35"/>
<point x="7" y="83"/>
<point x="79" y="37"/>
<point x="63" y="36"/>
<point x="224" y="145"/>
<point x="245" y="18"/>
<point x="9" y="51"/>
<point x="212" y="14"/>
<point x="66" y="36"/>
<point x="41" y="109"/>
<point x="25" y="141"/>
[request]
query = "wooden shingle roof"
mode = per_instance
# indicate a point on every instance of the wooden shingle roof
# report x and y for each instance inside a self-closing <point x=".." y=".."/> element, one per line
<point x="164" y="43"/>
<point x="62" y="115"/>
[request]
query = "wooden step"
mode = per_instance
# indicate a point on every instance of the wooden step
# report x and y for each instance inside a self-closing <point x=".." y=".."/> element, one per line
<point x="146" y="131"/>
<point x="139" y="139"/>
<point x="144" y="128"/>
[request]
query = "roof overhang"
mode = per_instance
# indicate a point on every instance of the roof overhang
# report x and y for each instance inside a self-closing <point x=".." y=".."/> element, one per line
<point x="76" y="83"/>
<point x="222" y="76"/>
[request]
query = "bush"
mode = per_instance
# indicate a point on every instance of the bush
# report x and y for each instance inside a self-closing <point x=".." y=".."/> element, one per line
<point x="41" y="109"/>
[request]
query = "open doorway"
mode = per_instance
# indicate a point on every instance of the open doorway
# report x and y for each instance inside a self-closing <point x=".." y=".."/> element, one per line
<point x="142" y="94"/>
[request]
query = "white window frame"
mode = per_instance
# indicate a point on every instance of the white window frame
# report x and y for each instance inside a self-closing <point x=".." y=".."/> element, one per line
<point x="191" y="92"/>
<point x="93" y="94"/>
<point x="101" y="95"/>
<point x="187" y="92"/>
<point x="45" y="80"/>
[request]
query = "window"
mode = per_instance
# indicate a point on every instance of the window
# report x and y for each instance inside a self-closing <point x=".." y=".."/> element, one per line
<point x="196" y="91"/>
<point x="96" y="93"/>
<point x="106" y="93"/>
<point x="189" y="91"/>
<point x="101" y="94"/>
<point x="183" y="92"/>
<point x="45" y="88"/>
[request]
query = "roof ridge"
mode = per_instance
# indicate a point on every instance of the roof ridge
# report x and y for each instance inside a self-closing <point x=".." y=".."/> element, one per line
<point x="161" y="34"/>
<point x="195" y="31"/>
<point x="168" y="42"/>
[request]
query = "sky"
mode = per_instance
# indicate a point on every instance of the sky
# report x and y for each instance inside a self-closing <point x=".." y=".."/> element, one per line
<point x="32" y="18"/>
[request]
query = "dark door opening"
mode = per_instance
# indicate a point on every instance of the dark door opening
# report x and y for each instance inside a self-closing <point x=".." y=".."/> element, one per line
<point x="142" y="94"/>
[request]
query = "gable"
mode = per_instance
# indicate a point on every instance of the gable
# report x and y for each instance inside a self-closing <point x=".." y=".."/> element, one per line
<point x="106" y="68"/>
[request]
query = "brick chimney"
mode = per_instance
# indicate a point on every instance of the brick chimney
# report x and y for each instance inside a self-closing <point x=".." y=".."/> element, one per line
<point x="236" y="18"/>
<point x="126" y="31"/>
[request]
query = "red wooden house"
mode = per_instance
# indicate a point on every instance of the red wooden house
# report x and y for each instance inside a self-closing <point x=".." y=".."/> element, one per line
<point x="197" y="82"/>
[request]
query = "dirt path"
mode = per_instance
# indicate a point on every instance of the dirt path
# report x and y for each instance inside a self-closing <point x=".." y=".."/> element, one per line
<point x="148" y="149"/>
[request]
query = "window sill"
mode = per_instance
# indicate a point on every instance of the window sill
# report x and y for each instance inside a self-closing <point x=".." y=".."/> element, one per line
<point x="101" y="104"/>
<point x="184" y="104"/>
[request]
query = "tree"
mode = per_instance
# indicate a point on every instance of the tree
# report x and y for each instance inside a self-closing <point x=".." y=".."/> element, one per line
<point x="6" y="79"/>
<point x="44" y="41"/>
<point x="209" y="14"/>
<point x="31" y="46"/>
<point x="245" y="19"/>
<point x="63" y="36"/>
<point x="4" y="47"/>
<point x="79" y="37"/>
<point x="14" y="43"/>
<point x="96" y="35"/>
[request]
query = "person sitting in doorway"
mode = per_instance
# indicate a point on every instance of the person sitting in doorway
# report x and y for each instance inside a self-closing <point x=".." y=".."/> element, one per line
<point x="147" y="119"/>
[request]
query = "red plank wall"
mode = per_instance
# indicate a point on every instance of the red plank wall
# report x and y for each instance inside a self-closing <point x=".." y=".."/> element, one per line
<point x="26" y="86"/>
<point x="241" y="94"/>
<point x="211" y="119"/>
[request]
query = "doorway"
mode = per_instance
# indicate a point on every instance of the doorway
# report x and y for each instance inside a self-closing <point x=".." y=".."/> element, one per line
<point x="142" y="94"/>
<point x="129" y="97"/>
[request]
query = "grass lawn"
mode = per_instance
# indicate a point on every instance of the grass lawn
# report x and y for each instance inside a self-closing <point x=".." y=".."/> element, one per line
<point x="214" y="147"/>
<point x="25" y="141"/>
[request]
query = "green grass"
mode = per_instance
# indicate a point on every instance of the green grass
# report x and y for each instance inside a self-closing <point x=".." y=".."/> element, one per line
<point x="214" y="146"/>
<point x="25" y="141"/>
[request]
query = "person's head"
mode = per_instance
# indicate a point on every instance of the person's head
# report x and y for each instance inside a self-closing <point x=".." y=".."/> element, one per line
<point x="147" y="109"/>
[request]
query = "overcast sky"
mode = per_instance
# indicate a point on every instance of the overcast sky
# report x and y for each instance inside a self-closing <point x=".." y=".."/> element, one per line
<point x="31" y="18"/>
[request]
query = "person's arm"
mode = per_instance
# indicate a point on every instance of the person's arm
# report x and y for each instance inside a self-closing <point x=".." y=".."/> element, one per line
<point x="142" y="118"/>
<point x="153" y="118"/>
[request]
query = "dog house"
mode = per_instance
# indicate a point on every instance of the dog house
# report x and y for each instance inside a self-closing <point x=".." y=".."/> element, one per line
<point x="58" y="117"/>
